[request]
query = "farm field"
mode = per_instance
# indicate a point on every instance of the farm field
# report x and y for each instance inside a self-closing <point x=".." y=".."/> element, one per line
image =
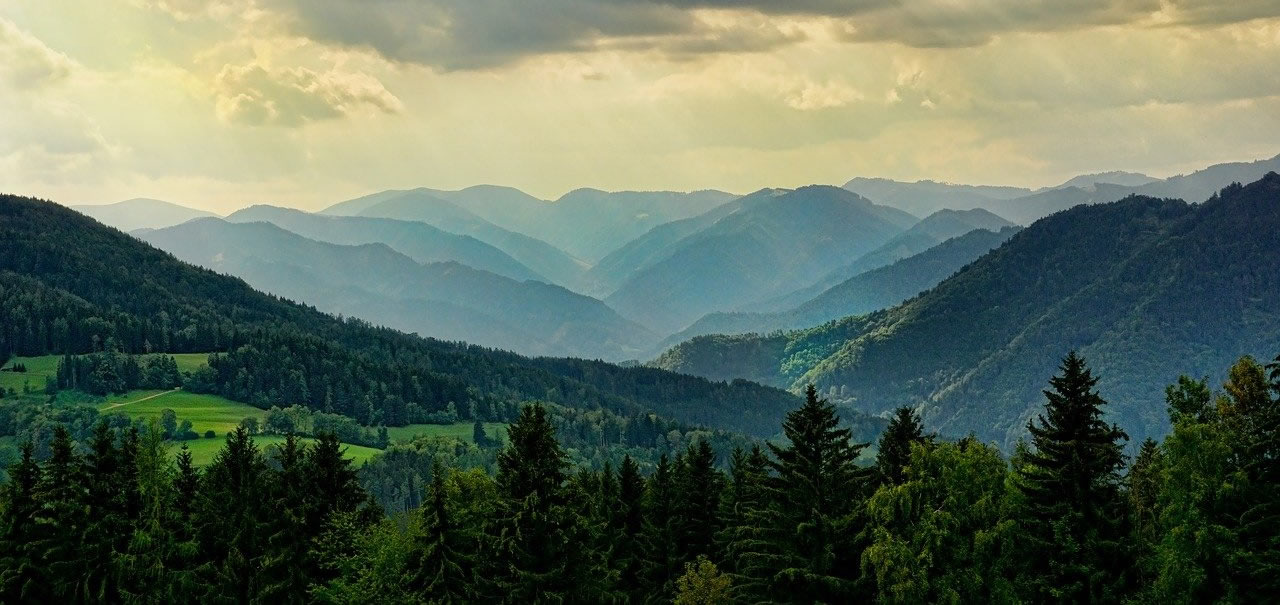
<point x="461" y="430"/>
<point x="204" y="450"/>
<point x="206" y="412"/>
<point x="47" y="365"/>
<point x="37" y="369"/>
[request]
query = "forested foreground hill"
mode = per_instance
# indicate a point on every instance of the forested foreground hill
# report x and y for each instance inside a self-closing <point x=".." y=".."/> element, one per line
<point x="70" y="285"/>
<point x="1146" y="288"/>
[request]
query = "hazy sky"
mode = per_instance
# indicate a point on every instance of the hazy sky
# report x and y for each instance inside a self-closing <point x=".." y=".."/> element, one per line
<point x="306" y="102"/>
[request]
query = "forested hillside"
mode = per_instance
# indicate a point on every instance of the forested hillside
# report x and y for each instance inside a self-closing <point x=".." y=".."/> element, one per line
<point x="449" y="301"/>
<point x="1146" y="288"/>
<point x="71" y="285"/>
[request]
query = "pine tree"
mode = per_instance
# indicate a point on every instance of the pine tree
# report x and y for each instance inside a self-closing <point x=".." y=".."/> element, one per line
<point x="285" y="563"/>
<point x="1144" y="483"/>
<point x="895" y="445"/>
<point x="697" y="502"/>
<point x="816" y="493"/>
<point x="746" y="516"/>
<point x="441" y="566"/>
<point x="626" y="528"/>
<point x="661" y="563"/>
<point x="60" y="520"/>
<point x="21" y="577"/>
<point x="231" y="518"/>
<point x="541" y="555"/>
<point x="106" y="523"/>
<point x="1074" y="517"/>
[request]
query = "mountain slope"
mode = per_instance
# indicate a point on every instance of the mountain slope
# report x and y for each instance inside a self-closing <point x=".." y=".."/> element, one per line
<point x="929" y="232"/>
<point x="1146" y="289"/>
<point x="443" y="300"/>
<point x="78" y="284"/>
<point x="869" y="291"/>
<point x="656" y="244"/>
<point x="141" y="213"/>
<point x="421" y="205"/>
<point x="419" y="241"/>
<point x="776" y="242"/>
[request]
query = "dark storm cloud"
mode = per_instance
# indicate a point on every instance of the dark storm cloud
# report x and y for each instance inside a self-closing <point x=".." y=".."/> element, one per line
<point x="477" y="34"/>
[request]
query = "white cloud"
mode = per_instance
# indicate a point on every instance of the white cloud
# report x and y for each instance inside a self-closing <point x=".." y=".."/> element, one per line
<point x="26" y="62"/>
<point x="256" y="95"/>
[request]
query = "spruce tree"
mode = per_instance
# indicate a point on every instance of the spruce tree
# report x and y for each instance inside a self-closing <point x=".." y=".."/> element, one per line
<point x="661" y="564"/>
<point x="231" y="519"/>
<point x="1143" y="485"/>
<point x="441" y="565"/>
<point x="626" y="527"/>
<point x="106" y="523"/>
<point x="1074" y="517"/>
<point x="816" y="493"/>
<point x="285" y="563"/>
<point x="895" y="445"/>
<point x="21" y="577"/>
<point x="697" y="502"/>
<point x="745" y="515"/>
<point x="540" y="540"/>
<point x="60" y="520"/>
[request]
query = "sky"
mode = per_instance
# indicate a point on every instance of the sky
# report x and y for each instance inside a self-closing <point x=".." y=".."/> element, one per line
<point x="225" y="103"/>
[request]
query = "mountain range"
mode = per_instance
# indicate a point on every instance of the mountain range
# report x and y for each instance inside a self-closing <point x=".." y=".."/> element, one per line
<point x="446" y="300"/>
<point x="774" y="242"/>
<point x="1023" y="206"/>
<point x="70" y="284"/>
<point x="423" y="205"/>
<point x="869" y="291"/>
<point x="1144" y="288"/>
<point x="417" y="240"/>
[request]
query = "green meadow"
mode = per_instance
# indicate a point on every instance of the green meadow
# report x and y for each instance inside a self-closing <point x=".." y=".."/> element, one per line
<point x="37" y="369"/>
<point x="206" y="412"/>
<point x="460" y="430"/>
<point x="47" y="365"/>
<point x="203" y="450"/>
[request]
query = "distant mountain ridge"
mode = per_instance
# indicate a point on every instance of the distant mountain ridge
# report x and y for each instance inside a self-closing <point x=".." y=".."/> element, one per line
<point x="141" y="213"/>
<point x="1144" y="288"/>
<point x="775" y="242"/>
<point x="1024" y="206"/>
<point x="425" y="206"/>
<point x="446" y="300"/>
<point x="929" y="232"/>
<point x="873" y="290"/>
<point x="419" y="241"/>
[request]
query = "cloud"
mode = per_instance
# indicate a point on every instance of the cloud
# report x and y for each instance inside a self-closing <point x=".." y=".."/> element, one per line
<point x="823" y="96"/>
<point x="255" y="95"/>
<point x="946" y="23"/>
<point x="26" y="62"/>
<point x="452" y="35"/>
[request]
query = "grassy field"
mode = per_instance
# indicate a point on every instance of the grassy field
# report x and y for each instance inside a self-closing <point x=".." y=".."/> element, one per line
<point x="461" y="430"/>
<point x="37" y="369"/>
<point x="203" y="450"/>
<point x="204" y="411"/>
<point x="47" y="365"/>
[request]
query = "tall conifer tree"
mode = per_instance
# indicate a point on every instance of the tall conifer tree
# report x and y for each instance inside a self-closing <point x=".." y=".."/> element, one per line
<point x="1074" y="516"/>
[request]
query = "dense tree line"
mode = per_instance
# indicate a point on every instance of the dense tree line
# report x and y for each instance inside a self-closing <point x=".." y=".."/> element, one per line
<point x="1067" y="518"/>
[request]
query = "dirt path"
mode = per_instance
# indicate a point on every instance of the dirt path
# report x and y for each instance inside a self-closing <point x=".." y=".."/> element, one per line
<point x="116" y="405"/>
